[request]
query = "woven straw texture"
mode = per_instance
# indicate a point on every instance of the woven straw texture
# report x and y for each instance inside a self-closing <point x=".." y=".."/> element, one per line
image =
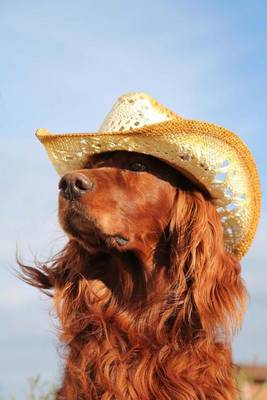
<point x="208" y="154"/>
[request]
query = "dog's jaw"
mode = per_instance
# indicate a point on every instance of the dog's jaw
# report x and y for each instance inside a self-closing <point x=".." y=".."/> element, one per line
<point x="87" y="232"/>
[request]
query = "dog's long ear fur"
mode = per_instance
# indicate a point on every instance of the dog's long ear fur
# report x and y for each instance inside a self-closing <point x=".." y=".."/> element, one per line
<point x="208" y="279"/>
<point x="58" y="271"/>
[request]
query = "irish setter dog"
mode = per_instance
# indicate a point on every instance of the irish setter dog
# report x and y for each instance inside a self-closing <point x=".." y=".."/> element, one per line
<point x="145" y="293"/>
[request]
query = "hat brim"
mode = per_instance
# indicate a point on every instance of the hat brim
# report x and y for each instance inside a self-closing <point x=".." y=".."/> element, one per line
<point x="209" y="154"/>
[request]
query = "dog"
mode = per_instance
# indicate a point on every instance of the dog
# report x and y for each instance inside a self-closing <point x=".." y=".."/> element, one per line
<point x="146" y="294"/>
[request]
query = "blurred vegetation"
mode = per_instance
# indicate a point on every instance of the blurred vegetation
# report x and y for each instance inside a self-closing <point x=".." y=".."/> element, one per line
<point x="38" y="390"/>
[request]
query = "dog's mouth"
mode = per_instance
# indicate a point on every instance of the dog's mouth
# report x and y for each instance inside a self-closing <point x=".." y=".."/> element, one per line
<point x="86" y="231"/>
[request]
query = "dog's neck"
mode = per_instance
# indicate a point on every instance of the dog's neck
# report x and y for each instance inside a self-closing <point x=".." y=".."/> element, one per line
<point x="129" y="276"/>
<point x="109" y="285"/>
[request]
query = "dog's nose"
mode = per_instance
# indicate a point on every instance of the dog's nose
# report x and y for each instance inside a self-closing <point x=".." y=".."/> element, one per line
<point x="73" y="185"/>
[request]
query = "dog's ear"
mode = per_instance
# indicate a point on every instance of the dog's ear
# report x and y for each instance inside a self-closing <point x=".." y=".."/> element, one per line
<point x="208" y="279"/>
<point x="55" y="273"/>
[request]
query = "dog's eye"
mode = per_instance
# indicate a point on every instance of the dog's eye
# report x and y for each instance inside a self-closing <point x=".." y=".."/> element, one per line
<point x="137" y="166"/>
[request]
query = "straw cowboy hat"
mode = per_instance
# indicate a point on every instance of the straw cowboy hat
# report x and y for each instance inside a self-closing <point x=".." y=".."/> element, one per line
<point x="208" y="154"/>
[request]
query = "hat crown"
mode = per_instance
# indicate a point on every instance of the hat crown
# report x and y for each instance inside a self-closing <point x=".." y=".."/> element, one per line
<point x="135" y="110"/>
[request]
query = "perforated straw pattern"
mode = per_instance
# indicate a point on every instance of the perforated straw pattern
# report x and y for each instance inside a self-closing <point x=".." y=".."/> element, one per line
<point x="135" y="110"/>
<point x="206" y="153"/>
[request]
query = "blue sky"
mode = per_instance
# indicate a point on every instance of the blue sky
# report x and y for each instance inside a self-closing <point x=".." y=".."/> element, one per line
<point x="63" y="64"/>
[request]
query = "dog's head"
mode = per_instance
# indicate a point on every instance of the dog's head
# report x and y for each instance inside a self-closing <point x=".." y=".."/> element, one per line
<point x="126" y="201"/>
<point x="122" y="200"/>
<point x="144" y="230"/>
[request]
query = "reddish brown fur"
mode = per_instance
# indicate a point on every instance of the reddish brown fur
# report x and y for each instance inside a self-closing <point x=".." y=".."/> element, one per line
<point x="153" y="318"/>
